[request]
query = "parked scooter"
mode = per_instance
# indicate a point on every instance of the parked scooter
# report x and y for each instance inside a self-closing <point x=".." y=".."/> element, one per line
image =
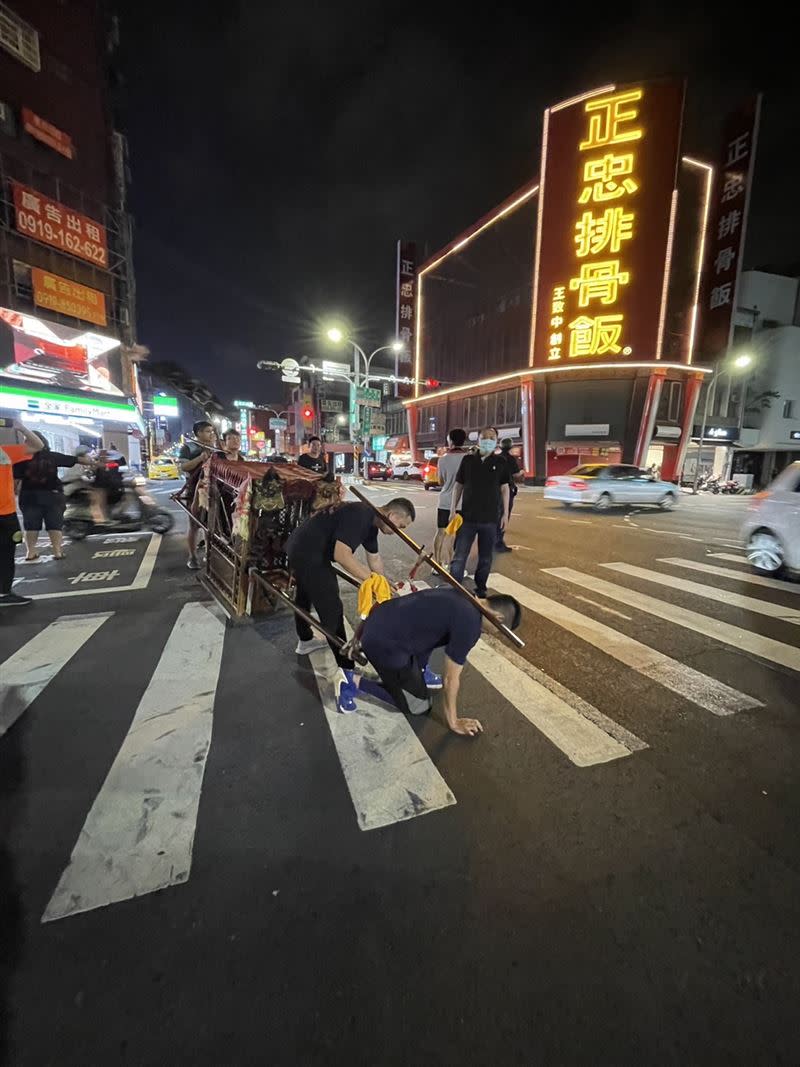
<point x="134" y="509"/>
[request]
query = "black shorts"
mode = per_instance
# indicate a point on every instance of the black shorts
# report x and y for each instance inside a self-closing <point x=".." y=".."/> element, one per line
<point x="442" y="518"/>
<point x="42" y="507"/>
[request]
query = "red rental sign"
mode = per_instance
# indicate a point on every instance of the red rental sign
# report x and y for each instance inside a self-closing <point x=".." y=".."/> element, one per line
<point x="606" y="210"/>
<point x="57" y="225"/>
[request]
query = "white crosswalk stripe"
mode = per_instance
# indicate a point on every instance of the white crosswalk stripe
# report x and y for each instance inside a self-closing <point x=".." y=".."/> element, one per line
<point x="139" y="834"/>
<point x="29" y="671"/>
<point x="722" y="596"/>
<point x="740" y="576"/>
<point x="764" y="647"/>
<point x="700" y="689"/>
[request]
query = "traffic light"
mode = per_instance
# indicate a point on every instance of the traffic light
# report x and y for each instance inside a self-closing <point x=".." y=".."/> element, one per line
<point x="432" y="383"/>
<point x="308" y="413"/>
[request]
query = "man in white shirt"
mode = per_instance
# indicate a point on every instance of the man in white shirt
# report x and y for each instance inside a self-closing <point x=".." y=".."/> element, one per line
<point x="449" y="465"/>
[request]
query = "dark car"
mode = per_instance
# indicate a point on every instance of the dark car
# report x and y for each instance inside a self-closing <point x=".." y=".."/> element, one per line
<point x="376" y="471"/>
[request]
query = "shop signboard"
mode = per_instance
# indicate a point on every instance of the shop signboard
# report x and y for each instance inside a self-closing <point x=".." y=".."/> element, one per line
<point x="331" y="405"/>
<point x="726" y="233"/>
<point x="19" y="399"/>
<point x="166" y="407"/>
<point x="378" y="423"/>
<point x="47" y="133"/>
<point x="607" y="202"/>
<point x="50" y="354"/>
<point x="67" y="297"/>
<point x="248" y="404"/>
<point x="406" y="313"/>
<point x="53" y="223"/>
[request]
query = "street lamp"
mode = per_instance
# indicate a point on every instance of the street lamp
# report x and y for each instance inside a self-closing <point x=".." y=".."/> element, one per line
<point x="336" y="336"/>
<point x="741" y="363"/>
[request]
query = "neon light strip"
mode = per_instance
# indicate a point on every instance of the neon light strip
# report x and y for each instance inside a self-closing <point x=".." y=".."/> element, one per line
<point x="435" y="263"/>
<point x="538" y="249"/>
<point x="662" y="315"/>
<point x="701" y="248"/>
<point x="530" y="372"/>
<point x="584" y="96"/>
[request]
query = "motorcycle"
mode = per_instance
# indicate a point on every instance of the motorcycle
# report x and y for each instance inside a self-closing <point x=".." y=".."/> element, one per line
<point x="133" y="509"/>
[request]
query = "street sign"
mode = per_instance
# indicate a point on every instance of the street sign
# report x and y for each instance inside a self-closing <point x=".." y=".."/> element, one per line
<point x="330" y="405"/>
<point x="278" y="424"/>
<point x="243" y="404"/>
<point x="290" y="371"/>
<point x="370" y="398"/>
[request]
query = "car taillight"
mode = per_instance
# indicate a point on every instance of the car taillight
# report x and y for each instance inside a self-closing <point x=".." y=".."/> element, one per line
<point x="578" y="485"/>
<point x="550" y="483"/>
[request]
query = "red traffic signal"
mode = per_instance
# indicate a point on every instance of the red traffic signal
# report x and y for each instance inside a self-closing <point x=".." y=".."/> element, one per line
<point x="308" y="413"/>
<point x="432" y="383"/>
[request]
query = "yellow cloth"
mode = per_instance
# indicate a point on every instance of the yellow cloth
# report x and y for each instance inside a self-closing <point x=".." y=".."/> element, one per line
<point x="454" y="525"/>
<point x="374" y="590"/>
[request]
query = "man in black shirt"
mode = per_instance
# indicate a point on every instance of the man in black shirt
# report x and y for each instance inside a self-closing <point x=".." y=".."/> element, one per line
<point x="333" y="536"/>
<point x="482" y="491"/>
<point x="314" y="459"/>
<point x="191" y="458"/>
<point x="398" y="639"/>
<point x="514" y="478"/>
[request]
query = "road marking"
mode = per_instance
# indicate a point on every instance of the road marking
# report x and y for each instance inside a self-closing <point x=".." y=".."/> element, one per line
<point x="139" y="834"/>
<point x="743" y="640"/>
<point x="388" y="773"/>
<point x="602" y="607"/>
<point x="582" y="522"/>
<point x="141" y="581"/>
<point x="621" y="526"/>
<point x="721" y="596"/>
<point x="552" y="518"/>
<point x="28" y="672"/>
<point x="689" y="537"/>
<point x="564" y="718"/>
<point x="739" y="576"/>
<point x="729" y="556"/>
<point x="700" y="689"/>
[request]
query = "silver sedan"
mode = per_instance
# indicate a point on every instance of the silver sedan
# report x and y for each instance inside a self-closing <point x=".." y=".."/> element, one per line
<point x="605" y="484"/>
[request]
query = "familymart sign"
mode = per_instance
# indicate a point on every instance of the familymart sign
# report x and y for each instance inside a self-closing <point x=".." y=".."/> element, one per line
<point x="88" y="407"/>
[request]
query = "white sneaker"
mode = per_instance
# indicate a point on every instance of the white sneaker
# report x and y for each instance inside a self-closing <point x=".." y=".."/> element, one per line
<point x="314" y="644"/>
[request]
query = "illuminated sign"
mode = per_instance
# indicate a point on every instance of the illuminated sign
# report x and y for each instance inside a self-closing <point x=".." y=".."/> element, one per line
<point x="68" y="297"/>
<point x="166" y="406"/>
<point x="248" y="404"/>
<point x="58" y="404"/>
<point x="406" y="312"/>
<point x="53" y="223"/>
<point x="606" y="213"/>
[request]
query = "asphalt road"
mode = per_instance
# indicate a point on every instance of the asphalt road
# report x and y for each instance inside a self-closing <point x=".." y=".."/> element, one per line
<point x="204" y="864"/>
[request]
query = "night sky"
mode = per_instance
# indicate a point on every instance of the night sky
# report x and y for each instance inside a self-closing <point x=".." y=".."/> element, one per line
<point x="279" y="150"/>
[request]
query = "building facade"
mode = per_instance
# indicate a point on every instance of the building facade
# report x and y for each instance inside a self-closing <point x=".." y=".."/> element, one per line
<point x="67" y="298"/>
<point x="568" y="316"/>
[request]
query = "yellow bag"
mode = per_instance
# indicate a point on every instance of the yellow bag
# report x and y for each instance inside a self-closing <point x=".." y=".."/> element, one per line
<point x="374" y="590"/>
<point x="454" y="525"/>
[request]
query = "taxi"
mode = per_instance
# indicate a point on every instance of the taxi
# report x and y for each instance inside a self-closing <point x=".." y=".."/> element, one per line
<point x="430" y="474"/>
<point x="163" y="467"/>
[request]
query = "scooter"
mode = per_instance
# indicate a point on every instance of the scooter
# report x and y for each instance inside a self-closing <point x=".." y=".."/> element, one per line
<point x="134" y="509"/>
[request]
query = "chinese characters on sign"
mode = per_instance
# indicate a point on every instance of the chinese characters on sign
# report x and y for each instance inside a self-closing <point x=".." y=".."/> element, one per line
<point x="68" y="297"/>
<point x="406" y="311"/>
<point x="726" y="230"/>
<point x="47" y="133"/>
<point x="54" y="224"/>
<point x="608" y="175"/>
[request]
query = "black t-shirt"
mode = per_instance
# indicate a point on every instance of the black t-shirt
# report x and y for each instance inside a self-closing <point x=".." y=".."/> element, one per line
<point x="482" y="479"/>
<point x="41" y="472"/>
<point x="313" y="542"/>
<point x="513" y="469"/>
<point x="318" y="465"/>
<point x="190" y="451"/>
<point x="414" y="625"/>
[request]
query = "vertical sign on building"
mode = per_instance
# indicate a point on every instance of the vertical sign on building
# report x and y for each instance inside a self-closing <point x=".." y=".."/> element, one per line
<point x="405" y="327"/>
<point x="606" y="214"/>
<point x="726" y="235"/>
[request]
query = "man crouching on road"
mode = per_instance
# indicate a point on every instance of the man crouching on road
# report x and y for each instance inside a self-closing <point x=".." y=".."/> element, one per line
<point x="333" y="536"/>
<point x="399" y="636"/>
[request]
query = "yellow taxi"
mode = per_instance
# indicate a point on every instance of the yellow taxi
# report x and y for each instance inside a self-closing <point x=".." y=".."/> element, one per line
<point x="163" y="467"/>
<point x="430" y="473"/>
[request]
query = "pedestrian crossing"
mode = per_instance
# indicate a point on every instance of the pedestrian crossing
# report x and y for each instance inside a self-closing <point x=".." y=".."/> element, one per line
<point x="138" y="834"/>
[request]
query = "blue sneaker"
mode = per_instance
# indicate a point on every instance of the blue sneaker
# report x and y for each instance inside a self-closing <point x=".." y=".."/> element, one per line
<point x="432" y="680"/>
<point x="346" y="691"/>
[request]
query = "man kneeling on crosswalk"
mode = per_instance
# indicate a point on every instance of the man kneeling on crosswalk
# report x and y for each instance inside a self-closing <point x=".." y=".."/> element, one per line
<point x="399" y="636"/>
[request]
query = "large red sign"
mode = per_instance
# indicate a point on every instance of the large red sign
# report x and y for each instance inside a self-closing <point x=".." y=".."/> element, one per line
<point x="47" y="133"/>
<point x="55" y="224"/>
<point x="606" y="210"/>
<point x="725" y="242"/>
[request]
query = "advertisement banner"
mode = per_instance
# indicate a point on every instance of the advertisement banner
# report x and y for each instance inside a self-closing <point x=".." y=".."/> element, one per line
<point x="68" y="297"/>
<point x="50" y="354"/>
<point x="48" y="134"/>
<point x="606" y="212"/>
<point x="55" y="224"/>
<point x="726" y="232"/>
<point x="406" y="316"/>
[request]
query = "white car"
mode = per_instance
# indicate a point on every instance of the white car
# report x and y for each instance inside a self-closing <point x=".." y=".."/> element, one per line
<point x="406" y="471"/>
<point x="605" y="484"/>
<point x="771" y="530"/>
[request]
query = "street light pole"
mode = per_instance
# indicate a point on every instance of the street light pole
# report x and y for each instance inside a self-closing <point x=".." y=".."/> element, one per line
<point x="740" y="363"/>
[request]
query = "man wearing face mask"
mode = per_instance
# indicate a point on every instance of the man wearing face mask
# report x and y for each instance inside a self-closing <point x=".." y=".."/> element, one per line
<point x="482" y="490"/>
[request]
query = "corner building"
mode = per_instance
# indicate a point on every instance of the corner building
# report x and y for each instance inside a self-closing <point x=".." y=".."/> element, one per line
<point x="567" y="317"/>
